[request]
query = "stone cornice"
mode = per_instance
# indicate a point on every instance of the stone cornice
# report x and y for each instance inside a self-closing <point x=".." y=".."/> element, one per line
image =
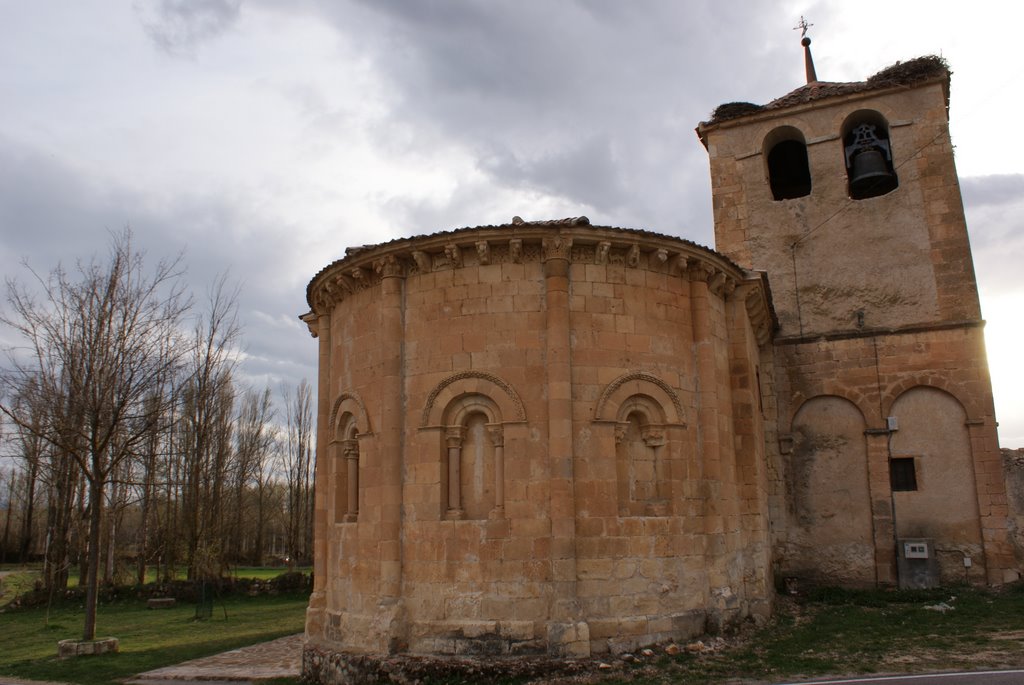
<point x="576" y="241"/>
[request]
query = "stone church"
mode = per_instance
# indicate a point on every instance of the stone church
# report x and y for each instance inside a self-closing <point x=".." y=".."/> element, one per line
<point x="560" y="438"/>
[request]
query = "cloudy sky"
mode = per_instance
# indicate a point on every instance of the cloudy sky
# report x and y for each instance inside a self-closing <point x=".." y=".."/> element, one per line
<point x="264" y="136"/>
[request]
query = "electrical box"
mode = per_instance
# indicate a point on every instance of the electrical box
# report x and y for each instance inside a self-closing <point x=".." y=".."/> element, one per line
<point x="892" y="423"/>
<point x="916" y="562"/>
<point x="915" y="550"/>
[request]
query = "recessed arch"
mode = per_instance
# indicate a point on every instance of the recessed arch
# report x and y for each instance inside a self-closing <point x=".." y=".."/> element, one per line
<point x="639" y="384"/>
<point x="468" y="383"/>
<point x="349" y="402"/>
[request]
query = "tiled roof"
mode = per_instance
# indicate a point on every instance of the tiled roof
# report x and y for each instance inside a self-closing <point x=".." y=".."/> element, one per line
<point x="899" y="74"/>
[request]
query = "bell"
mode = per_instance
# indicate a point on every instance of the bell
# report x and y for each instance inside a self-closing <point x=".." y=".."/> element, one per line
<point x="870" y="175"/>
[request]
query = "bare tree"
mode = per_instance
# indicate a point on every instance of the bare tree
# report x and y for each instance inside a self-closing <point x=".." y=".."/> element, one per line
<point x="205" y="431"/>
<point x="253" y="444"/>
<point x="298" y="467"/>
<point x="96" y="342"/>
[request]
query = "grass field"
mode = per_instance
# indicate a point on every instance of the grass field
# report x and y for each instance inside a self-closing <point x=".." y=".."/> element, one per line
<point x="828" y="632"/>
<point x="149" y="638"/>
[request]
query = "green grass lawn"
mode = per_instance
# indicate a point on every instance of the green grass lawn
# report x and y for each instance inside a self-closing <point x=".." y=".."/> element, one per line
<point x="842" y="632"/>
<point x="150" y="638"/>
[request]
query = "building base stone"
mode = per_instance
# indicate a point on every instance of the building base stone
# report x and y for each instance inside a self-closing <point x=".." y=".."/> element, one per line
<point x="324" y="666"/>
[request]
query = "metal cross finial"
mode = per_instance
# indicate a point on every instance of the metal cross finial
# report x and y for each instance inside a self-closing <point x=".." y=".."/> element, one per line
<point x="802" y="26"/>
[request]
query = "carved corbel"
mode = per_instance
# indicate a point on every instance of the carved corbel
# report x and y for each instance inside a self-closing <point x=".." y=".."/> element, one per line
<point x="633" y="256"/>
<point x="729" y="286"/>
<point x="359" y="276"/>
<point x="423" y="261"/>
<point x="716" y="283"/>
<point x="454" y="255"/>
<point x="483" y="252"/>
<point x="601" y="254"/>
<point x="515" y="249"/>
<point x="312" y="321"/>
<point x="678" y="264"/>
<point x="661" y="255"/>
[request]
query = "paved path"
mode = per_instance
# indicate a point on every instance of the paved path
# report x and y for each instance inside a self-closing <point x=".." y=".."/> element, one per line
<point x="281" y="658"/>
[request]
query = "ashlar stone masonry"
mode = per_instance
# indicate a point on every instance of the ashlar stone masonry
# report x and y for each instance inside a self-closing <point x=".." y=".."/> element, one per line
<point x="557" y="438"/>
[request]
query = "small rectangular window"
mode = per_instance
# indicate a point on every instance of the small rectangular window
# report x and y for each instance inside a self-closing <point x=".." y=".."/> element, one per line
<point x="902" y="476"/>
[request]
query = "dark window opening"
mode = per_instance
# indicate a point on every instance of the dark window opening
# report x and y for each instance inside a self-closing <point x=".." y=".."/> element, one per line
<point x="902" y="476"/>
<point x="788" y="170"/>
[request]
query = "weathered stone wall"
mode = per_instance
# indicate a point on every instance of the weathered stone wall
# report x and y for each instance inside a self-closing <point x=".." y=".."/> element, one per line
<point x="1013" y="471"/>
<point x="899" y="259"/>
<point x="580" y="458"/>
<point x="879" y="317"/>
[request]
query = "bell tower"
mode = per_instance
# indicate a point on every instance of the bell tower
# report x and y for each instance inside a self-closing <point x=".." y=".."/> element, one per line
<point x="846" y="195"/>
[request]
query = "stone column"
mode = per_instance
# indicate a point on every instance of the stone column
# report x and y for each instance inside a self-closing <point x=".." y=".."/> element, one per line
<point x="320" y="327"/>
<point x="497" y="436"/>
<point x="392" y="424"/>
<point x="880" y="489"/>
<point x="707" y="422"/>
<point x="453" y="441"/>
<point x="350" y="449"/>
<point x="566" y="634"/>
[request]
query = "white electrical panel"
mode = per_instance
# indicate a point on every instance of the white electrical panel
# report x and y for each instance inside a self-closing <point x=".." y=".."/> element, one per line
<point x="915" y="550"/>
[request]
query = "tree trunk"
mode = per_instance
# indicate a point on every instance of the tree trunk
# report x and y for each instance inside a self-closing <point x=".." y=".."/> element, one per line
<point x="93" y="566"/>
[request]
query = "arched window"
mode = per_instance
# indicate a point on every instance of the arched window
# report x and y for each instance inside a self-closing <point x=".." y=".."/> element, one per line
<point x="789" y="173"/>
<point x="473" y="459"/>
<point x="868" y="153"/>
<point x="641" y="464"/>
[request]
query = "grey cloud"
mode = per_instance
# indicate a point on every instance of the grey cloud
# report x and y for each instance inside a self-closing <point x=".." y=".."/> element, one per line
<point x="178" y="26"/>
<point x="50" y="214"/>
<point x="590" y="103"/>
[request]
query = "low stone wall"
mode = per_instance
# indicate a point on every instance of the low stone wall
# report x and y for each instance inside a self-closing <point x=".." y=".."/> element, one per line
<point x="67" y="649"/>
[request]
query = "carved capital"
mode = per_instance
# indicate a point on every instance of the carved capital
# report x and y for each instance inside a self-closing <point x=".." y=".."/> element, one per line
<point x="389" y="266"/>
<point x="454" y="435"/>
<point x="620" y="432"/>
<point x="653" y="436"/>
<point x="350" y="448"/>
<point x="557" y="247"/>
<point x="497" y="434"/>
<point x="699" y="271"/>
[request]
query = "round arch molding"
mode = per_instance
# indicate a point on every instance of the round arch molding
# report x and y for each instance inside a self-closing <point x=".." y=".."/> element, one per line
<point x="628" y="385"/>
<point x="472" y="383"/>
<point x="933" y="382"/>
<point x="351" y="403"/>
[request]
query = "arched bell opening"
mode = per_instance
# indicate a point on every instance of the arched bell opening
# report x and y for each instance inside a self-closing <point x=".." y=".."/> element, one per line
<point x="868" y="154"/>
<point x="789" y="173"/>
